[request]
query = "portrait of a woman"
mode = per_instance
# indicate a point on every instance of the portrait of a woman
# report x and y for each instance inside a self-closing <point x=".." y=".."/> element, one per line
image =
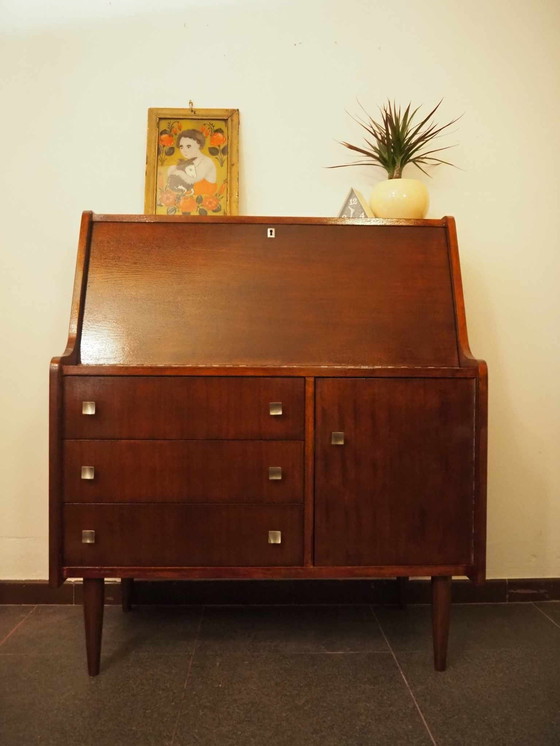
<point x="194" y="167"/>
<point x="191" y="163"/>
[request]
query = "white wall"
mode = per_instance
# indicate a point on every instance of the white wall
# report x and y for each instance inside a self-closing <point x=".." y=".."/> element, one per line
<point x="77" y="78"/>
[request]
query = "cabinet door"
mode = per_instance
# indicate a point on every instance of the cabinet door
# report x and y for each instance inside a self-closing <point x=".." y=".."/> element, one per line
<point x="399" y="490"/>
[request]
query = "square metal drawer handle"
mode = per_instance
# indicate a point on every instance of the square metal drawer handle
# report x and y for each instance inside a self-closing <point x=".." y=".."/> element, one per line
<point x="274" y="472"/>
<point x="88" y="537"/>
<point x="337" y="439"/>
<point x="88" y="407"/>
<point x="88" y="472"/>
<point x="275" y="408"/>
<point x="275" y="537"/>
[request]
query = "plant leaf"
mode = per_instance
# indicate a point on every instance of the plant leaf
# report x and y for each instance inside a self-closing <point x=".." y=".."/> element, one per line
<point x="397" y="139"/>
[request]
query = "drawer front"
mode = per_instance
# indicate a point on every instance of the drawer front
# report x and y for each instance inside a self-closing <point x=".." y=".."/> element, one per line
<point x="180" y="471"/>
<point x="183" y="407"/>
<point x="182" y="535"/>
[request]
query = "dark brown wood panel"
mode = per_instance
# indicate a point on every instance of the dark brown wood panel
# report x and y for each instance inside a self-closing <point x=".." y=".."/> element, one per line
<point x="180" y="471"/>
<point x="184" y="407"/>
<point x="317" y="371"/>
<point x="315" y="294"/>
<point x="183" y="535"/>
<point x="400" y="489"/>
<point x="254" y="572"/>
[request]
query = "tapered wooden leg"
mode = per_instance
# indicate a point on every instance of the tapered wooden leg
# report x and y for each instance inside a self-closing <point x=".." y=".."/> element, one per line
<point x="402" y="585"/>
<point x="127" y="587"/>
<point x="441" y="608"/>
<point x="94" y="592"/>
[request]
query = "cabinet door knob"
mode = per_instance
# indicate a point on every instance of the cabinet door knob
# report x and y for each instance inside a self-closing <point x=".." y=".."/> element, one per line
<point x="275" y="537"/>
<point x="337" y="439"/>
<point x="274" y="472"/>
<point x="88" y="407"/>
<point x="275" y="408"/>
<point x="88" y="537"/>
<point x="88" y="472"/>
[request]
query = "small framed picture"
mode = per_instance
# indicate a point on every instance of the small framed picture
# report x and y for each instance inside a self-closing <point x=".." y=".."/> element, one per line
<point x="355" y="206"/>
<point x="192" y="162"/>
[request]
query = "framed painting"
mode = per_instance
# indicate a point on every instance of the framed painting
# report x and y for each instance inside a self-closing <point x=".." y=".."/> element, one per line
<point x="192" y="162"/>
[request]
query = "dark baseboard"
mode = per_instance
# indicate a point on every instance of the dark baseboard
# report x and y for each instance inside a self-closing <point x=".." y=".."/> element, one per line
<point x="383" y="591"/>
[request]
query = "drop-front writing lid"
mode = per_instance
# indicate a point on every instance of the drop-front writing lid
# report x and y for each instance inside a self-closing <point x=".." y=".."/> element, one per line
<point x="224" y="293"/>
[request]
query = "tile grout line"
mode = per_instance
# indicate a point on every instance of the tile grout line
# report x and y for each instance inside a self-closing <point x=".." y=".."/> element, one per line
<point x="18" y="625"/>
<point x="179" y="709"/>
<point x="550" y="619"/>
<point x="195" y="645"/>
<point x="430" y="734"/>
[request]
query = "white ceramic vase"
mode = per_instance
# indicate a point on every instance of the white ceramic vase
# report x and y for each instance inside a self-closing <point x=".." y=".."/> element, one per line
<point x="400" y="198"/>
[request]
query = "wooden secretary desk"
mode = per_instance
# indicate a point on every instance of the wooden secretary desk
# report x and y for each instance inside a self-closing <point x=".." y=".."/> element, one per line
<point x="267" y="398"/>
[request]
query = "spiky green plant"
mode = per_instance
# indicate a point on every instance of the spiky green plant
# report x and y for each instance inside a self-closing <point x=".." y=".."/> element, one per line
<point x="398" y="140"/>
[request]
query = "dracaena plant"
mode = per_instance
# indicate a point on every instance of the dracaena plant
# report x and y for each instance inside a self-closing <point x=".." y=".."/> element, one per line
<point x="399" y="138"/>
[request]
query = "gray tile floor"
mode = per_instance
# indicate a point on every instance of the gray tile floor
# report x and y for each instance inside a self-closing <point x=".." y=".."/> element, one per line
<point x="275" y="675"/>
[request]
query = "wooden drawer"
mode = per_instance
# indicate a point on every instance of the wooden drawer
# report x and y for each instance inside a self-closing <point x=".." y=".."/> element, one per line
<point x="182" y="535"/>
<point x="183" y="407"/>
<point x="180" y="471"/>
